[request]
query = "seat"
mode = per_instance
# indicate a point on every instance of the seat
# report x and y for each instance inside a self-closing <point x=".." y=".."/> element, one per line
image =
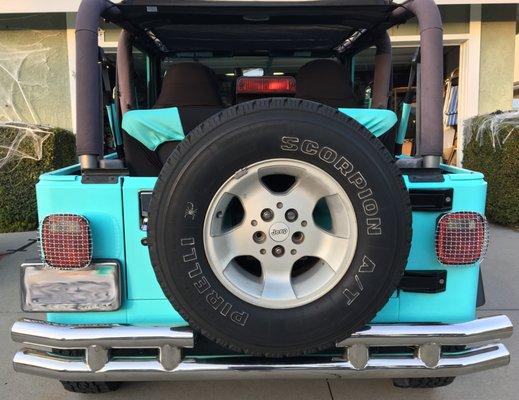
<point x="193" y="89"/>
<point x="189" y="84"/>
<point x="326" y="82"/>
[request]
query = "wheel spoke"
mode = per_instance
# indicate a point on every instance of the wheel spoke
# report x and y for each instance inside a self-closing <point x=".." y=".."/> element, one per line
<point x="251" y="191"/>
<point x="308" y="190"/>
<point x="326" y="246"/>
<point x="233" y="243"/>
<point x="277" y="283"/>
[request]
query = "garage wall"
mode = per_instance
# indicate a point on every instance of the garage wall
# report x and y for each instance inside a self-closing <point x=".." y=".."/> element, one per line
<point x="34" y="80"/>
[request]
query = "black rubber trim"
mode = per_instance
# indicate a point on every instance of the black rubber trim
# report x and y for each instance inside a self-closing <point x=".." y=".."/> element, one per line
<point x="103" y="176"/>
<point x="423" y="174"/>
<point x="480" y="299"/>
<point x="431" y="199"/>
<point x="424" y="281"/>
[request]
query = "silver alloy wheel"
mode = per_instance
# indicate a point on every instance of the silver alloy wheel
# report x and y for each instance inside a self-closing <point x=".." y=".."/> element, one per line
<point x="281" y="231"/>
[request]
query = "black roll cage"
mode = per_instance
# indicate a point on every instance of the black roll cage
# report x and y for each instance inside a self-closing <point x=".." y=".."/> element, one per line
<point x="89" y="141"/>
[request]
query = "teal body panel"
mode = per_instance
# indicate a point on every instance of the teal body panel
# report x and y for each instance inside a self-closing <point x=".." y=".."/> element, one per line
<point x="148" y="300"/>
<point x="62" y="192"/>
<point x="113" y="212"/>
<point x="458" y="302"/>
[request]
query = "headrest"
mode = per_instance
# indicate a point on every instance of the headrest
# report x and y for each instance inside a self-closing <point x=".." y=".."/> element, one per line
<point x="327" y="82"/>
<point x="189" y="84"/>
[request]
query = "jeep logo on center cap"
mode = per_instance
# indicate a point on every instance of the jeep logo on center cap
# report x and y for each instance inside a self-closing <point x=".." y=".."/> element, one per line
<point x="279" y="232"/>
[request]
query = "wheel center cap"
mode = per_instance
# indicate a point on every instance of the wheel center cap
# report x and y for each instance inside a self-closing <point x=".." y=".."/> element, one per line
<point x="279" y="232"/>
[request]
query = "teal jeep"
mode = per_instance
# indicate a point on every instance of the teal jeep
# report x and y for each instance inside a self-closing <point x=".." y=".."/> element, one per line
<point x="255" y="220"/>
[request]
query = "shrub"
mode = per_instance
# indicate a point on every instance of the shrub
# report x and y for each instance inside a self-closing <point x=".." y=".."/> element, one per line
<point x="25" y="153"/>
<point x="492" y="147"/>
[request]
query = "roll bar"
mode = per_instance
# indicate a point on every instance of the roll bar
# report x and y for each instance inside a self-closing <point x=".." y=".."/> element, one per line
<point x="89" y="141"/>
<point x="89" y="103"/>
<point x="125" y="71"/>
<point x="382" y="78"/>
<point x="430" y="146"/>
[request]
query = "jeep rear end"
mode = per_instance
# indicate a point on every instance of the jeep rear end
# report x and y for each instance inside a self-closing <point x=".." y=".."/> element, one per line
<point x="284" y="237"/>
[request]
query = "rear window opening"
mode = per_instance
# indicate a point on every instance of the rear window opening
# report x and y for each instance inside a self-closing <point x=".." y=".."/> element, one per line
<point x="229" y="70"/>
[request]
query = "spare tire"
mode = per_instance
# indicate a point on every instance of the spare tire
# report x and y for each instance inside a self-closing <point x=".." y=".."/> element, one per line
<point x="279" y="227"/>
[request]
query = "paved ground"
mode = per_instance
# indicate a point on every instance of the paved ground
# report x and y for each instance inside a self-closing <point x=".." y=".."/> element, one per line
<point x="501" y="274"/>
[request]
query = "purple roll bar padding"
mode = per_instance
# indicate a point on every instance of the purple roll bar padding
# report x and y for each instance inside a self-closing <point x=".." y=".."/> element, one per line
<point x="125" y="71"/>
<point x="89" y="139"/>
<point x="382" y="78"/>
<point x="431" y="80"/>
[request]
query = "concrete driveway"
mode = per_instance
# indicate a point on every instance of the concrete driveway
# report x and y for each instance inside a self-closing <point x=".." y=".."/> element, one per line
<point x="501" y="275"/>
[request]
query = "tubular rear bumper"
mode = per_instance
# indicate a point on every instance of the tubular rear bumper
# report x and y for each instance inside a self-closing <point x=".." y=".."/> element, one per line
<point x="96" y="363"/>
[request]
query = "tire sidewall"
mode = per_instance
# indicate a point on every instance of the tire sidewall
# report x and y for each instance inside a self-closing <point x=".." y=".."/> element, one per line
<point x="194" y="174"/>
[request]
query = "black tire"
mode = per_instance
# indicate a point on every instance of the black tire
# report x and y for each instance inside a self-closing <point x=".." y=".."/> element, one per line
<point x="252" y="132"/>
<point x="422" y="383"/>
<point x="90" y="387"/>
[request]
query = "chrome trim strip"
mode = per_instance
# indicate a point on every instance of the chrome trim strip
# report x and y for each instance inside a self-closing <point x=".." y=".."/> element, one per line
<point x="479" y="330"/>
<point x="428" y="359"/>
<point x="60" y="336"/>
<point x="39" y="363"/>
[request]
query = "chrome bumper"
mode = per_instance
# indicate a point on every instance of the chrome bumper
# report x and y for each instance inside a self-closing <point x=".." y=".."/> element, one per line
<point x="95" y="362"/>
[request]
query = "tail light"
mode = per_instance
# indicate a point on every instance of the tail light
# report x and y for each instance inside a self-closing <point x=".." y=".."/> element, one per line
<point x="269" y="84"/>
<point x="461" y="238"/>
<point x="66" y="241"/>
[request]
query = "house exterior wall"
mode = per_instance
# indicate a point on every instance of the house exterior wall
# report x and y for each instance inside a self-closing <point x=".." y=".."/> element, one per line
<point x="37" y="59"/>
<point x="34" y="84"/>
<point x="498" y="30"/>
<point x="455" y="19"/>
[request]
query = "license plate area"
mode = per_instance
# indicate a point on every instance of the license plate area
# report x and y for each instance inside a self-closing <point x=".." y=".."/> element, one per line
<point x="45" y="289"/>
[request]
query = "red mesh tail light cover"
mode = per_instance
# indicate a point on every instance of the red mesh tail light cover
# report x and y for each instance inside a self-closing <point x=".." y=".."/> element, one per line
<point x="66" y="241"/>
<point x="461" y="238"/>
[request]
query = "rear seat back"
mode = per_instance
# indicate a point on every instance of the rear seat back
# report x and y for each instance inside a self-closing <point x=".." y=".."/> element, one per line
<point x="193" y="89"/>
<point x="326" y="82"/>
<point x="189" y="84"/>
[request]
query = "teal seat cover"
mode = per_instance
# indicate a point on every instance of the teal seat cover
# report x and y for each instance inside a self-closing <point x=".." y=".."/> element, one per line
<point x="375" y="120"/>
<point x="154" y="127"/>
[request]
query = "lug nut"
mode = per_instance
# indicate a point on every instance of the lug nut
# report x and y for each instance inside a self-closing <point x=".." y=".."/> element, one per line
<point x="291" y="215"/>
<point x="298" y="237"/>
<point x="278" y="251"/>
<point x="267" y="215"/>
<point x="259" y="237"/>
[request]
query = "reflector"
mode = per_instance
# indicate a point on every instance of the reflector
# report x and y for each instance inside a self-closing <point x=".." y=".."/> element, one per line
<point x="461" y="238"/>
<point x="66" y="241"/>
<point x="266" y="84"/>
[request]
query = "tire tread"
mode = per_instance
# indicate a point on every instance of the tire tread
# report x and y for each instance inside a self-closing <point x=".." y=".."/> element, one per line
<point x="90" y="387"/>
<point x="423" y="383"/>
